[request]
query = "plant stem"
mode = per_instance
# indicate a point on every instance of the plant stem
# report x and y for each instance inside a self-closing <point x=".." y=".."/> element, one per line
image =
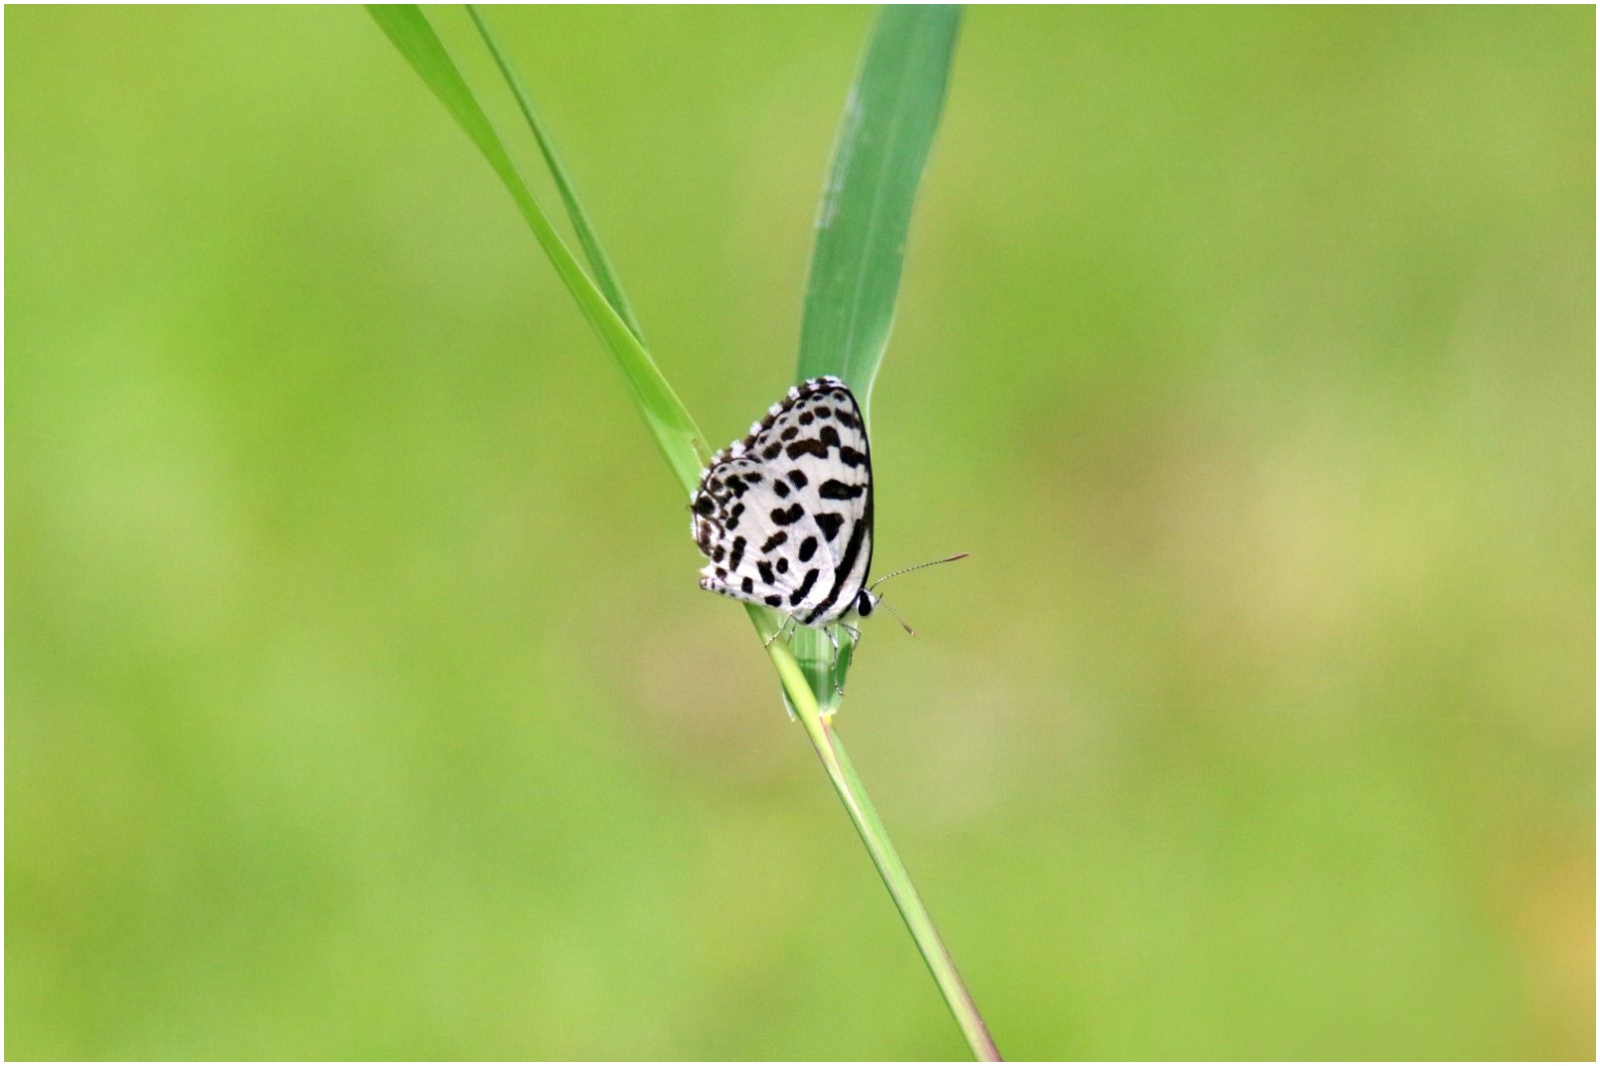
<point x="830" y="749"/>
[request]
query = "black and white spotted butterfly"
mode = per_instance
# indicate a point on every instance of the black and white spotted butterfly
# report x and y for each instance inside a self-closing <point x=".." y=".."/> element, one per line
<point x="785" y="515"/>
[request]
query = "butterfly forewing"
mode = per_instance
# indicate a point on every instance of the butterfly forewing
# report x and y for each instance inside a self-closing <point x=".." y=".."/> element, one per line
<point x="785" y="516"/>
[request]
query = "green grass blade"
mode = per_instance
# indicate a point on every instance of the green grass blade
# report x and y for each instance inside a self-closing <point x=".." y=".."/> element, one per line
<point x="676" y="435"/>
<point x="908" y="902"/>
<point x="864" y="816"/>
<point x="890" y="119"/>
<point x="604" y="275"/>
<point x="889" y="122"/>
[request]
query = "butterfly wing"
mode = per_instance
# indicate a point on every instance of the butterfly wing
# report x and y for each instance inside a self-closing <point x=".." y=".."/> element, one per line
<point x="786" y="517"/>
<point x="751" y="555"/>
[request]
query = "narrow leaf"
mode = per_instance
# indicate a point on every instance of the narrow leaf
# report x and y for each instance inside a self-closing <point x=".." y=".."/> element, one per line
<point x="890" y="118"/>
<point x="604" y="275"/>
<point x="676" y="436"/>
<point x="889" y="121"/>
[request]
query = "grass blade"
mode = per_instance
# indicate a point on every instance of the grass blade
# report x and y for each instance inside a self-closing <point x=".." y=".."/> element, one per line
<point x="676" y="435"/>
<point x="605" y="277"/>
<point x="898" y="880"/>
<point x="890" y="118"/>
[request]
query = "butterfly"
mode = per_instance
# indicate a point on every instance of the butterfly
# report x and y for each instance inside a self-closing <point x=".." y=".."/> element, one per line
<point x="784" y="515"/>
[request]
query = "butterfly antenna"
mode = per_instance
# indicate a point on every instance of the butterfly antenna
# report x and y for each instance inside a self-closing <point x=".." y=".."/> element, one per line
<point x="919" y="566"/>
<point x="907" y="570"/>
<point x="885" y="604"/>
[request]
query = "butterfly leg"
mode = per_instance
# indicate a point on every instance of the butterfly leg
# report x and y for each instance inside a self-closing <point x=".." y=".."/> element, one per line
<point x="855" y="642"/>
<point x="833" y="669"/>
<point x="787" y="619"/>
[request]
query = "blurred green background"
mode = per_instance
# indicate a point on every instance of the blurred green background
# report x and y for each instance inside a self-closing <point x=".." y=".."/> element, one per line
<point x="361" y="701"/>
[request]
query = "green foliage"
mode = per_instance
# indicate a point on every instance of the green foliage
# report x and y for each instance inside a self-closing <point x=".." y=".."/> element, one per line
<point x="605" y="275"/>
<point x="888" y="127"/>
<point x="675" y="433"/>
<point x="862" y="223"/>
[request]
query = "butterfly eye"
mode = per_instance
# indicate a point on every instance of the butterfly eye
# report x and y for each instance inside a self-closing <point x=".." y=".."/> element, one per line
<point x="866" y="603"/>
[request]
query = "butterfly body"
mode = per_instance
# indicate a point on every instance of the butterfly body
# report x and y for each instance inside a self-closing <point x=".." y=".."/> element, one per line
<point x="784" y="516"/>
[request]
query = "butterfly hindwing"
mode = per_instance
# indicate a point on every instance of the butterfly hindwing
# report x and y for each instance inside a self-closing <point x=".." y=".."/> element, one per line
<point x="749" y="552"/>
<point x="785" y="517"/>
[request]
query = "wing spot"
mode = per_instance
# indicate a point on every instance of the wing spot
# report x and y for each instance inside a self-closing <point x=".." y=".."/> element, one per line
<point x="797" y="478"/>
<point x="774" y="601"/>
<point x="830" y="524"/>
<point x="808" y="548"/>
<point x="773" y="541"/>
<point x="789" y="517"/>
<point x="766" y="572"/>
<point x="834" y="489"/>
<point x="808" y="447"/>
<point x="748" y="586"/>
<point x="738" y="553"/>
<point x="805" y="587"/>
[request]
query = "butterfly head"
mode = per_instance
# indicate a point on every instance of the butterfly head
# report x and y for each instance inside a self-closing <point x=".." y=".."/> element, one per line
<point x="866" y="603"/>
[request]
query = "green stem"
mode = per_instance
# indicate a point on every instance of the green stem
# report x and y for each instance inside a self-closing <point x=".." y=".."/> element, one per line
<point x="830" y="749"/>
